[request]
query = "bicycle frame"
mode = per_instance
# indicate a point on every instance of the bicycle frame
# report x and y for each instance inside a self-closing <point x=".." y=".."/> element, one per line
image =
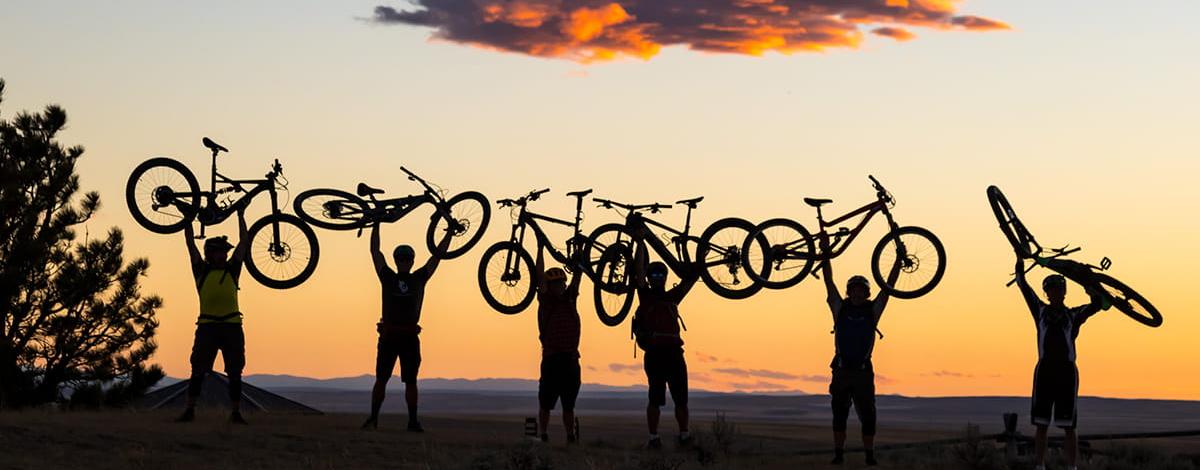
<point x="842" y="238"/>
<point x="527" y="219"/>
<point x="679" y="260"/>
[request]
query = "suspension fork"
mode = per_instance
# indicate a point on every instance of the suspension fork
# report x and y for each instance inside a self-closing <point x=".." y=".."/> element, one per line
<point x="276" y="245"/>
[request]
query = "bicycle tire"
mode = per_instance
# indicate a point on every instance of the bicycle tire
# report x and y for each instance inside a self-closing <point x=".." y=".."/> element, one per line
<point x="1014" y="231"/>
<point x="306" y="207"/>
<point x="915" y="253"/>
<point x="775" y="253"/>
<point x="1125" y="298"/>
<point x="509" y="305"/>
<point x="623" y="299"/>
<point x="613" y="278"/>
<point x="132" y="195"/>
<point x="311" y="255"/>
<point x="727" y="279"/>
<point x="474" y="228"/>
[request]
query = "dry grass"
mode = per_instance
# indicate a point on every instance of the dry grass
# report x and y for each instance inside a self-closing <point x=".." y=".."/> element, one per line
<point x="125" y="440"/>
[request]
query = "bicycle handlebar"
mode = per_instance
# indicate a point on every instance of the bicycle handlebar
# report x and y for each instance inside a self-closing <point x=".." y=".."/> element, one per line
<point x="608" y="204"/>
<point x="534" y="195"/>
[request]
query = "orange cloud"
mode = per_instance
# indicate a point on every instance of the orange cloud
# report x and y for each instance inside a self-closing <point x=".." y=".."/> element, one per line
<point x="597" y="30"/>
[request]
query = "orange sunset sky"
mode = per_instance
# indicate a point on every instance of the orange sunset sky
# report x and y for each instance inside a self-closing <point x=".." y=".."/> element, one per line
<point x="1084" y="112"/>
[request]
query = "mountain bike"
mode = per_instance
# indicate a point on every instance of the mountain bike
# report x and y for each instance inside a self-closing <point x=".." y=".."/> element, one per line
<point x="791" y="251"/>
<point x="506" y="270"/>
<point x="1113" y="292"/>
<point x="164" y="197"/>
<point x="466" y="215"/>
<point x="717" y="250"/>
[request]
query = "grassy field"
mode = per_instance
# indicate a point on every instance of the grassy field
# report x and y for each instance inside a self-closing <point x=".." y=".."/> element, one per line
<point x="114" y="439"/>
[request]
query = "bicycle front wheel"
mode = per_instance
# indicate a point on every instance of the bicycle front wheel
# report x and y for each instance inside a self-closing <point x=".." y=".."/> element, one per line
<point x="469" y="214"/>
<point x="609" y="257"/>
<point x="922" y="260"/>
<point x="613" y="305"/>
<point x="163" y="195"/>
<point x="283" y="251"/>
<point x="1014" y="231"/>
<point x="330" y="209"/>
<point x="1129" y="302"/>
<point x="784" y="259"/>
<point x="506" y="277"/>
<point x="720" y="256"/>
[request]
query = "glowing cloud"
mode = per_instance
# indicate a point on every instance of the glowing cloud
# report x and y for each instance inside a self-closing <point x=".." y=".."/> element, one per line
<point x="594" y="30"/>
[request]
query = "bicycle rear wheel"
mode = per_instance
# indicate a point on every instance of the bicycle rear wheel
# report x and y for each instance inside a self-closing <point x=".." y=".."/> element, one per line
<point x="787" y="257"/>
<point x="288" y="262"/>
<point x="506" y="277"/>
<point x="1014" y="231"/>
<point x="163" y="195"/>
<point x="330" y="209"/>
<point x="1129" y="302"/>
<point x="922" y="261"/>
<point x="720" y="257"/>
<point x="471" y="213"/>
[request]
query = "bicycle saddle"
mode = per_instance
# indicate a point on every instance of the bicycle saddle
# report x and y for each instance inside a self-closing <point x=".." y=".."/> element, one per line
<point x="691" y="202"/>
<point x="364" y="190"/>
<point x="816" y="202"/>
<point x="215" y="147"/>
<point x="580" y="193"/>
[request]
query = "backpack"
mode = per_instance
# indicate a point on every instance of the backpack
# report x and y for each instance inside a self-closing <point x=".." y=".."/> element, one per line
<point x="642" y="332"/>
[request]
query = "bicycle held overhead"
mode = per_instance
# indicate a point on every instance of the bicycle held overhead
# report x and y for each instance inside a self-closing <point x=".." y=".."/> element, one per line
<point x="163" y="196"/>
<point x="791" y="251"/>
<point x="1114" y="293"/>
<point x="506" y="268"/>
<point x="465" y="216"/>
<point x="717" y="251"/>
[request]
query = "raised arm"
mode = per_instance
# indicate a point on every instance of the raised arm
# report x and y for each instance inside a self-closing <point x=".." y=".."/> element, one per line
<point x="194" y="257"/>
<point x="380" y="262"/>
<point x="432" y="264"/>
<point x="832" y="296"/>
<point x="1084" y="312"/>
<point x="243" y="246"/>
<point x="881" y="299"/>
<point x="687" y="280"/>
<point x="639" y="267"/>
<point x="1027" y="292"/>
<point x="539" y="270"/>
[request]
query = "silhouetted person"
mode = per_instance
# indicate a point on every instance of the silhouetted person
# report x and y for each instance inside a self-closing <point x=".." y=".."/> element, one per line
<point x="558" y="331"/>
<point x="219" y="327"/>
<point x="658" y="315"/>
<point x="855" y="322"/>
<point x="403" y="292"/>
<point x="1055" y="378"/>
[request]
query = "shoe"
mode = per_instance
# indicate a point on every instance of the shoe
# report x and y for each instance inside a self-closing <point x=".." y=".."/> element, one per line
<point x="544" y="438"/>
<point x="370" y="423"/>
<point x="236" y="418"/>
<point x="684" y="440"/>
<point x="415" y="426"/>
<point x="654" y="443"/>
<point x="871" y="462"/>
<point x="571" y="439"/>
<point x="838" y="457"/>
<point x="188" y="416"/>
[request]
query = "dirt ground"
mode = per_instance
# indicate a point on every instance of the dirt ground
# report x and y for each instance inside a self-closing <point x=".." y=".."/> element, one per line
<point x="113" y="439"/>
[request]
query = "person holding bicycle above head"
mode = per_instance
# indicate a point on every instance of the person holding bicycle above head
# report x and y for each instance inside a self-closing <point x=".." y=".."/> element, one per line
<point x="403" y="293"/>
<point x="219" y="327"/>
<point x="558" y="331"/>
<point x="1055" y="378"/>
<point x="656" y="325"/>
<point x="856" y="321"/>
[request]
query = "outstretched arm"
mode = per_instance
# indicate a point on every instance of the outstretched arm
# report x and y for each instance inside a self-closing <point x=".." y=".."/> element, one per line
<point x="377" y="255"/>
<point x="1086" y="311"/>
<point x="189" y="237"/>
<point x="639" y="267"/>
<point x="881" y="299"/>
<point x="243" y="246"/>
<point x="432" y="264"/>
<point x="832" y="296"/>
<point x="1031" y="299"/>
<point x="539" y="270"/>
<point x="687" y="280"/>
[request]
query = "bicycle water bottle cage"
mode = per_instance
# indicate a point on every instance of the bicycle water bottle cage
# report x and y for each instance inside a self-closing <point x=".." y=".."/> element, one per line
<point x="1105" y="263"/>
<point x="366" y="191"/>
